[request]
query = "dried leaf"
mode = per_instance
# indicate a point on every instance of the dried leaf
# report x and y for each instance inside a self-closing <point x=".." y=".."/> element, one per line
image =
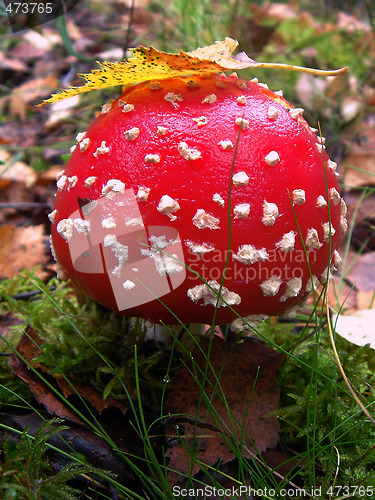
<point x="280" y="11"/>
<point x="352" y="24"/>
<point x="14" y="171"/>
<point x="362" y="274"/>
<point x="49" y="176"/>
<point x="27" y="51"/>
<point x="357" y="328"/>
<point x="311" y="91"/>
<point x="22" y="134"/>
<point x="152" y="64"/>
<point x="360" y="164"/>
<point x="38" y="40"/>
<point x="21" y="248"/>
<point x="7" y="321"/>
<point x="218" y="52"/>
<point x="340" y="294"/>
<point x="60" y="111"/>
<point x="363" y="209"/>
<point x="248" y="381"/>
<point x="281" y="462"/>
<point x="89" y="394"/>
<point x="29" y="91"/>
<point x="365" y="299"/>
<point x="13" y="64"/>
<point x="28" y="348"/>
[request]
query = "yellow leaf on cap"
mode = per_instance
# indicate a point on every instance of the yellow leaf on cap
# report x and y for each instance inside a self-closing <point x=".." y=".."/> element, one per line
<point x="152" y="64"/>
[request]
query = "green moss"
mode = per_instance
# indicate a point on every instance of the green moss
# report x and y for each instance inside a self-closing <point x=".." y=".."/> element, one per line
<point x="317" y="411"/>
<point x="84" y="342"/>
<point x="25" y="471"/>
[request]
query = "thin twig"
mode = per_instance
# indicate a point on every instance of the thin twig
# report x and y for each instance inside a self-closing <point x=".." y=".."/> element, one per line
<point x="273" y="471"/>
<point x="28" y="295"/>
<point x="21" y="205"/>
<point x="192" y="421"/>
<point x="127" y="36"/>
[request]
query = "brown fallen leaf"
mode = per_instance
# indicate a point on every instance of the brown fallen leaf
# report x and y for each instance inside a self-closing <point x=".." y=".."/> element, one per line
<point x="360" y="163"/>
<point x="362" y="274"/>
<point x="22" y="248"/>
<point x="340" y="296"/>
<point x="75" y="32"/>
<point x="26" y="93"/>
<point x="364" y="222"/>
<point x="280" y="11"/>
<point x="365" y="300"/>
<point x="252" y="33"/>
<point x="12" y="63"/>
<point x="29" y="349"/>
<point x="138" y="4"/>
<point x="14" y="171"/>
<point x="248" y="375"/>
<point x="311" y="91"/>
<point x="7" y="321"/>
<point x="60" y="111"/>
<point x="20" y="134"/>
<point x="48" y="176"/>
<point x="26" y="51"/>
<point x="16" y="181"/>
<point x="281" y="462"/>
<point x="351" y="23"/>
<point x="357" y="290"/>
<point x="89" y="394"/>
<point x="32" y="45"/>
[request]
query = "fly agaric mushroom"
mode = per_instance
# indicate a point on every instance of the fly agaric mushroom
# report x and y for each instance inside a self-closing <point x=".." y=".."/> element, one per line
<point x="179" y="180"/>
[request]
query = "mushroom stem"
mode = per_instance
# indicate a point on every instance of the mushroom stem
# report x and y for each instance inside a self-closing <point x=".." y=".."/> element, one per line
<point x="160" y="332"/>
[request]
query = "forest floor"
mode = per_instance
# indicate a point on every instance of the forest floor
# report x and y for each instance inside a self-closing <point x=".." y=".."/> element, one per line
<point x="86" y="414"/>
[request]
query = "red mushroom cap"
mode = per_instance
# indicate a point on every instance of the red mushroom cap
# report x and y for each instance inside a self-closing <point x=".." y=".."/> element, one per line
<point x="141" y="224"/>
